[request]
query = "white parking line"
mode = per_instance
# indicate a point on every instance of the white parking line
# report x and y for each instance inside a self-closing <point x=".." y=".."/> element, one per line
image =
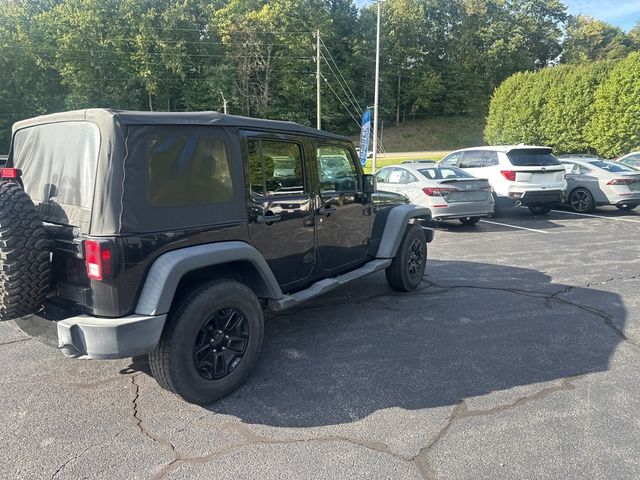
<point x="514" y="226"/>
<point x="598" y="216"/>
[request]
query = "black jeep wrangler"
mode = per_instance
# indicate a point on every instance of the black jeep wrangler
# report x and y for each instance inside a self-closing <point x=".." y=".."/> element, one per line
<point x="168" y="234"/>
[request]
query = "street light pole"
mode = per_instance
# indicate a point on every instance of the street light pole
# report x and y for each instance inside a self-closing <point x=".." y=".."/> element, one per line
<point x="375" y="101"/>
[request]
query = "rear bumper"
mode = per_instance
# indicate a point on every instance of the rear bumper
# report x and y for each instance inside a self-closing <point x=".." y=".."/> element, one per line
<point x="532" y="198"/>
<point x="83" y="336"/>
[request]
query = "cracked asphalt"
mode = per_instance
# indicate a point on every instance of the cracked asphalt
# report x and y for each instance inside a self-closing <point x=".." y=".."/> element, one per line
<point x="517" y="358"/>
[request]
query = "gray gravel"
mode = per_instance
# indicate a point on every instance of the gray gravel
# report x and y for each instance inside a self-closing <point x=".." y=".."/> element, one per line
<point x="517" y="358"/>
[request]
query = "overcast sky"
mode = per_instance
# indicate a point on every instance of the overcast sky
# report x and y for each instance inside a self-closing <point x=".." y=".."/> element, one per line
<point x="624" y="13"/>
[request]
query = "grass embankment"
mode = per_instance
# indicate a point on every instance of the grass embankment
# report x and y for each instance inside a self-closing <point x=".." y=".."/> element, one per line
<point x="428" y="139"/>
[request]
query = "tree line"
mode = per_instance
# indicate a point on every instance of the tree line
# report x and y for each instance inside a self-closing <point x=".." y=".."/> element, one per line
<point x="589" y="108"/>
<point x="439" y="57"/>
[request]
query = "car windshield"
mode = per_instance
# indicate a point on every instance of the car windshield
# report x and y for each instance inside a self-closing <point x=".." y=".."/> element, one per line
<point x="612" y="167"/>
<point x="532" y="157"/>
<point x="437" y="173"/>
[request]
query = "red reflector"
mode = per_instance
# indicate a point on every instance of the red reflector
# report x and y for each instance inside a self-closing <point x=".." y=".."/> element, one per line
<point x="98" y="259"/>
<point x="437" y="192"/>
<point x="621" y="181"/>
<point x="9" y="173"/>
<point x="509" y="175"/>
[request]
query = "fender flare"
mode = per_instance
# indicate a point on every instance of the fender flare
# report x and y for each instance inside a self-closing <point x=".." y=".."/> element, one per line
<point x="396" y="221"/>
<point x="168" y="269"/>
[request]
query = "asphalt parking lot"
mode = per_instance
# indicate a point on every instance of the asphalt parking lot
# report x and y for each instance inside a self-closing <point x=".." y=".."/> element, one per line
<point x="518" y="358"/>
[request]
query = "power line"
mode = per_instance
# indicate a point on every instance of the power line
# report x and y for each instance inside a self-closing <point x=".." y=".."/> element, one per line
<point x="342" y="76"/>
<point x="340" y="99"/>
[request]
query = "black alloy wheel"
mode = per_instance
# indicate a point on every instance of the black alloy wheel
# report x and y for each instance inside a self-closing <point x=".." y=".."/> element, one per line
<point x="417" y="259"/>
<point x="221" y="344"/>
<point x="581" y="201"/>
<point x="210" y="343"/>
<point x="407" y="267"/>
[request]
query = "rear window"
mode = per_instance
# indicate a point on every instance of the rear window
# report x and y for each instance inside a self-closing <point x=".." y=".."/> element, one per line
<point x="613" y="167"/>
<point x="532" y="157"/>
<point x="58" y="163"/>
<point x="443" y="173"/>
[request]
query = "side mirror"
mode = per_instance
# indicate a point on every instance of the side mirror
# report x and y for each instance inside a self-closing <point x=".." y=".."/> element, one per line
<point x="369" y="184"/>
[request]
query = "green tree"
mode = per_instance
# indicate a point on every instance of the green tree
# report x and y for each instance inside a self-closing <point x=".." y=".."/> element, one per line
<point x="615" y="129"/>
<point x="588" y="39"/>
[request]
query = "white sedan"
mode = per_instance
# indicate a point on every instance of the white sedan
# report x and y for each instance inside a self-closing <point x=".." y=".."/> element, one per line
<point x="448" y="192"/>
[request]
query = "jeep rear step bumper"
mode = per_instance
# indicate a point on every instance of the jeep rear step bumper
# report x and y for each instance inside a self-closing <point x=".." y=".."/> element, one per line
<point x="88" y="337"/>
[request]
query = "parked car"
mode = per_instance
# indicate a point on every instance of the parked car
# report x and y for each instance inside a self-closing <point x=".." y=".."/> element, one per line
<point x="593" y="182"/>
<point x="167" y="234"/>
<point x="448" y="192"/>
<point x="419" y="161"/>
<point x="519" y="175"/>
<point x="631" y="160"/>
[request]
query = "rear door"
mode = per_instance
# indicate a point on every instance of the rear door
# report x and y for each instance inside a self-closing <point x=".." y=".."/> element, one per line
<point x="342" y="224"/>
<point x="281" y="217"/>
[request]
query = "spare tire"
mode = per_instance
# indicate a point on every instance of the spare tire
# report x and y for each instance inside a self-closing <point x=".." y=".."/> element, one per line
<point x="25" y="259"/>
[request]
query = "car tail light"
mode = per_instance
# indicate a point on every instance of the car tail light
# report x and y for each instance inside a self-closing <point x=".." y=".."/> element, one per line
<point x="97" y="257"/>
<point x="621" y="181"/>
<point x="10" y="173"/>
<point x="509" y="175"/>
<point x="485" y="188"/>
<point x="437" y="192"/>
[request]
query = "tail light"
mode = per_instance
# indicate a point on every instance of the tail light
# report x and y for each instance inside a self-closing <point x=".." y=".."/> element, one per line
<point x="97" y="257"/>
<point x="509" y="175"/>
<point x="486" y="188"/>
<point x="10" y="173"/>
<point x="621" y="181"/>
<point x="437" y="192"/>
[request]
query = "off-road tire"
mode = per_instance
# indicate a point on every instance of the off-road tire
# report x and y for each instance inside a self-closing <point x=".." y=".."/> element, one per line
<point x="25" y="258"/>
<point x="402" y="274"/>
<point x="173" y="362"/>
<point x="469" y="220"/>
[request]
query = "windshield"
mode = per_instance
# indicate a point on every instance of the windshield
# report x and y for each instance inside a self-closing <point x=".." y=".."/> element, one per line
<point x="613" y="167"/>
<point x="532" y="157"/>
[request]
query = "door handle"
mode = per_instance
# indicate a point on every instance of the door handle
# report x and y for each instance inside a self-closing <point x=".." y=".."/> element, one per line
<point x="268" y="218"/>
<point x="326" y="210"/>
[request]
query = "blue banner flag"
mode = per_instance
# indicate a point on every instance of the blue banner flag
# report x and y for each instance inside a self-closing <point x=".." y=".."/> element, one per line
<point x="365" y="133"/>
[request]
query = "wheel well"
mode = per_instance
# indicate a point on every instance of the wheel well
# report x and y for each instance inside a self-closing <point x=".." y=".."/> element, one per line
<point x="242" y="271"/>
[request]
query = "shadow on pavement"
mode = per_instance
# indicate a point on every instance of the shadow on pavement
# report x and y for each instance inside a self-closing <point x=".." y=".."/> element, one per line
<point x="482" y="328"/>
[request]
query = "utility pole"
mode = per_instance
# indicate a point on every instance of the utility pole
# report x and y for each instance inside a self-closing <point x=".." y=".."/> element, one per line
<point x="375" y="101"/>
<point x="224" y="102"/>
<point x="318" y="106"/>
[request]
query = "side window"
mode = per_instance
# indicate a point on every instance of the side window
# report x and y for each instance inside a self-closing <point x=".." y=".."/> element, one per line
<point x="451" y="160"/>
<point x="395" y="176"/>
<point x="489" y="158"/>
<point x="188" y="170"/>
<point x="407" y="177"/>
<point x="275" y="167"/>
<point x="471" y="159"/>
<point x="382" y="175"/>
<point x="336" y="169"/>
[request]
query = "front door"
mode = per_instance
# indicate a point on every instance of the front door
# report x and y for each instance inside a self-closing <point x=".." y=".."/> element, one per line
<point x="342" y="223"/>
<point x="281" y="217"/>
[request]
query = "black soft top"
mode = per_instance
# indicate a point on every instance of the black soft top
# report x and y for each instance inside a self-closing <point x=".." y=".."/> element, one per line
<point x="128" y="117"/>
<point x="65" y="161"/>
